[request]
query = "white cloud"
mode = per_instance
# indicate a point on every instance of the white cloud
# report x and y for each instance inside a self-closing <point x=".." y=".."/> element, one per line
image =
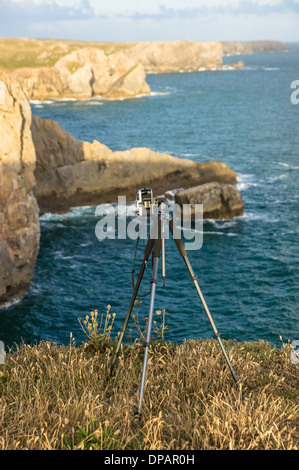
<point x="13" y="11"/>
<point x="136" y="20"/>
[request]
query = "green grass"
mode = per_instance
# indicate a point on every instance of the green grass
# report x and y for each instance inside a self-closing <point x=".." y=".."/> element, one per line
<point x="18" y="52"/>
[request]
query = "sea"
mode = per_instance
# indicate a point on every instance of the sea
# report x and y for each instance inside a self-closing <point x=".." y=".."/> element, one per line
<point x="247" y="267"/>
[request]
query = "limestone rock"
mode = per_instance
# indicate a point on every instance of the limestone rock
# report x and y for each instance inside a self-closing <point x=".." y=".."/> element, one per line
<point x="176" y="56"/>
<point x="83" y="74"/>
<point x="249" y="47"/>
<point x="235" y="65"/>
<point x="220" y="201"/>
<point x="19" y="224"/>
<point x="71" y="173"/>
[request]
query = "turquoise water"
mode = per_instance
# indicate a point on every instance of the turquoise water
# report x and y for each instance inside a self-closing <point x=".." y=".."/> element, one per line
<point x="247" y="267"/>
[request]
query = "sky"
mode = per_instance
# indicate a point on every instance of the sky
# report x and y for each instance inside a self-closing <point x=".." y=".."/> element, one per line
<point x="151" y="20"/>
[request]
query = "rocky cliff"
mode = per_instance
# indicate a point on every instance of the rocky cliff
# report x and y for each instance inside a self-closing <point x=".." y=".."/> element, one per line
<point x="250" y="47"/>
<point x="43" y="167"/>
<point x="90" y="71"/>
<point x="77" y="69"/>
<point x="220" y="201"/>
<point x="85" y="73"/>
<point x="176" y="56"/>
<point x="70" y="172"/>
<point x="19" y="224"/>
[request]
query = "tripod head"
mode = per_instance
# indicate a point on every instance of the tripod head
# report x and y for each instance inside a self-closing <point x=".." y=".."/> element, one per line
<point x="145" y="200"/>
<point x="147" y="204"/>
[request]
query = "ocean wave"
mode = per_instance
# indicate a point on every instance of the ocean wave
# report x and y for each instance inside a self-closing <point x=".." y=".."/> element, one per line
<point x="288" y="165"/>
<point x="160" y="93"/>
<point x="94" y="103"/>
<point x="261" y="217"/>
<point x="59" y="255"/>
<point x="11" y="303"/>
<point x="223" y="223"/>
<point x="245" y="181"/>
<point x="272" y="179"/>
<point x="244" y="186"/>
<point x="53" y="101"/>
<point x="188" y="155"/>
<point x="207" y="232"/>
<point x="269" y="69"/>
<point x="170" y="194"/>
<point x="75" y="212"/>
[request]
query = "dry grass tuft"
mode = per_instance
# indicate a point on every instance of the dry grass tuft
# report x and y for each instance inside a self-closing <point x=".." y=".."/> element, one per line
<point x="58" y="397"/>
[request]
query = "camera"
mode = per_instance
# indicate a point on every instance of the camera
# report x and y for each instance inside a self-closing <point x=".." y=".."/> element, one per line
<point x="145" y="200"/>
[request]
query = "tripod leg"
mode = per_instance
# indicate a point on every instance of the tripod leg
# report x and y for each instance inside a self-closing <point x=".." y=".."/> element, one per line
<point x="157" y="252"/>
<point x="148" y="332"/>
<point x="148" y="249"/>
<point x="183" y="253"/>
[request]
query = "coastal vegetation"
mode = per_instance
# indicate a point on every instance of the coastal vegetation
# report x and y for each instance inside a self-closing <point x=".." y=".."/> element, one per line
<point x="27" y="52"/>
<point x="60" y="396"/>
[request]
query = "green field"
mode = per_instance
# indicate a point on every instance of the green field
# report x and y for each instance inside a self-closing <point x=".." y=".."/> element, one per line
<point x="18" y="52"/>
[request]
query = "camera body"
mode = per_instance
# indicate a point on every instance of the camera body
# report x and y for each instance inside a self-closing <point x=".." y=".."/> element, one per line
<point x="145" y="200"/>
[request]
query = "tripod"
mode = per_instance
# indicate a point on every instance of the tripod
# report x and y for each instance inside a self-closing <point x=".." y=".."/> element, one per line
<point x="156" y="246"/>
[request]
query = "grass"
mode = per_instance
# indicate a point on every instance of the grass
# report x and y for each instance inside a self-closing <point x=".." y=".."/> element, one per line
<point x="19" y="52"/>
<point x="60" y="397"/>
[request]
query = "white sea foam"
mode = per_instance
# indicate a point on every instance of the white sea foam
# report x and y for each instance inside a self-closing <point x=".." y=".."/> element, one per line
<point x="38" y="103"/>
<point x="60" y="255"/>
<point x="269" y="69"/>
<point x="289" y="166"/>
<point x="95" y="103"/>
<point x="65" y="99"/>
<point x="85" y="244"/>
<point x="272" y="179"/>
<point x="250" y="67"/>
<point x="264" y="216"/>
<point x="224" y="223"/>
<point x="160" y="93"/>
<point x="189" y="154"/>
<point x="244" y="186"/>
<point x="73" y="213"/>
<point x="244" y="181"/>
<point x="207" y="232"/>
<point x="10" y="303"/>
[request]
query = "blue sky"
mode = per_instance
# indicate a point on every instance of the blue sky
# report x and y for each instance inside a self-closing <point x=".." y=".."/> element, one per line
<point x="138" y="20"/>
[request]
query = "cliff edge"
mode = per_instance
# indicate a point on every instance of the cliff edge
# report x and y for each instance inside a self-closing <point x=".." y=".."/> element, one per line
<point x="45" y="169"/>
<point x="71" y="173"/>
<point x="85" y="73"/>
<point x="250" y="47"/>
<point x="176" y="56"/>
<point x="19" y="223"/>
